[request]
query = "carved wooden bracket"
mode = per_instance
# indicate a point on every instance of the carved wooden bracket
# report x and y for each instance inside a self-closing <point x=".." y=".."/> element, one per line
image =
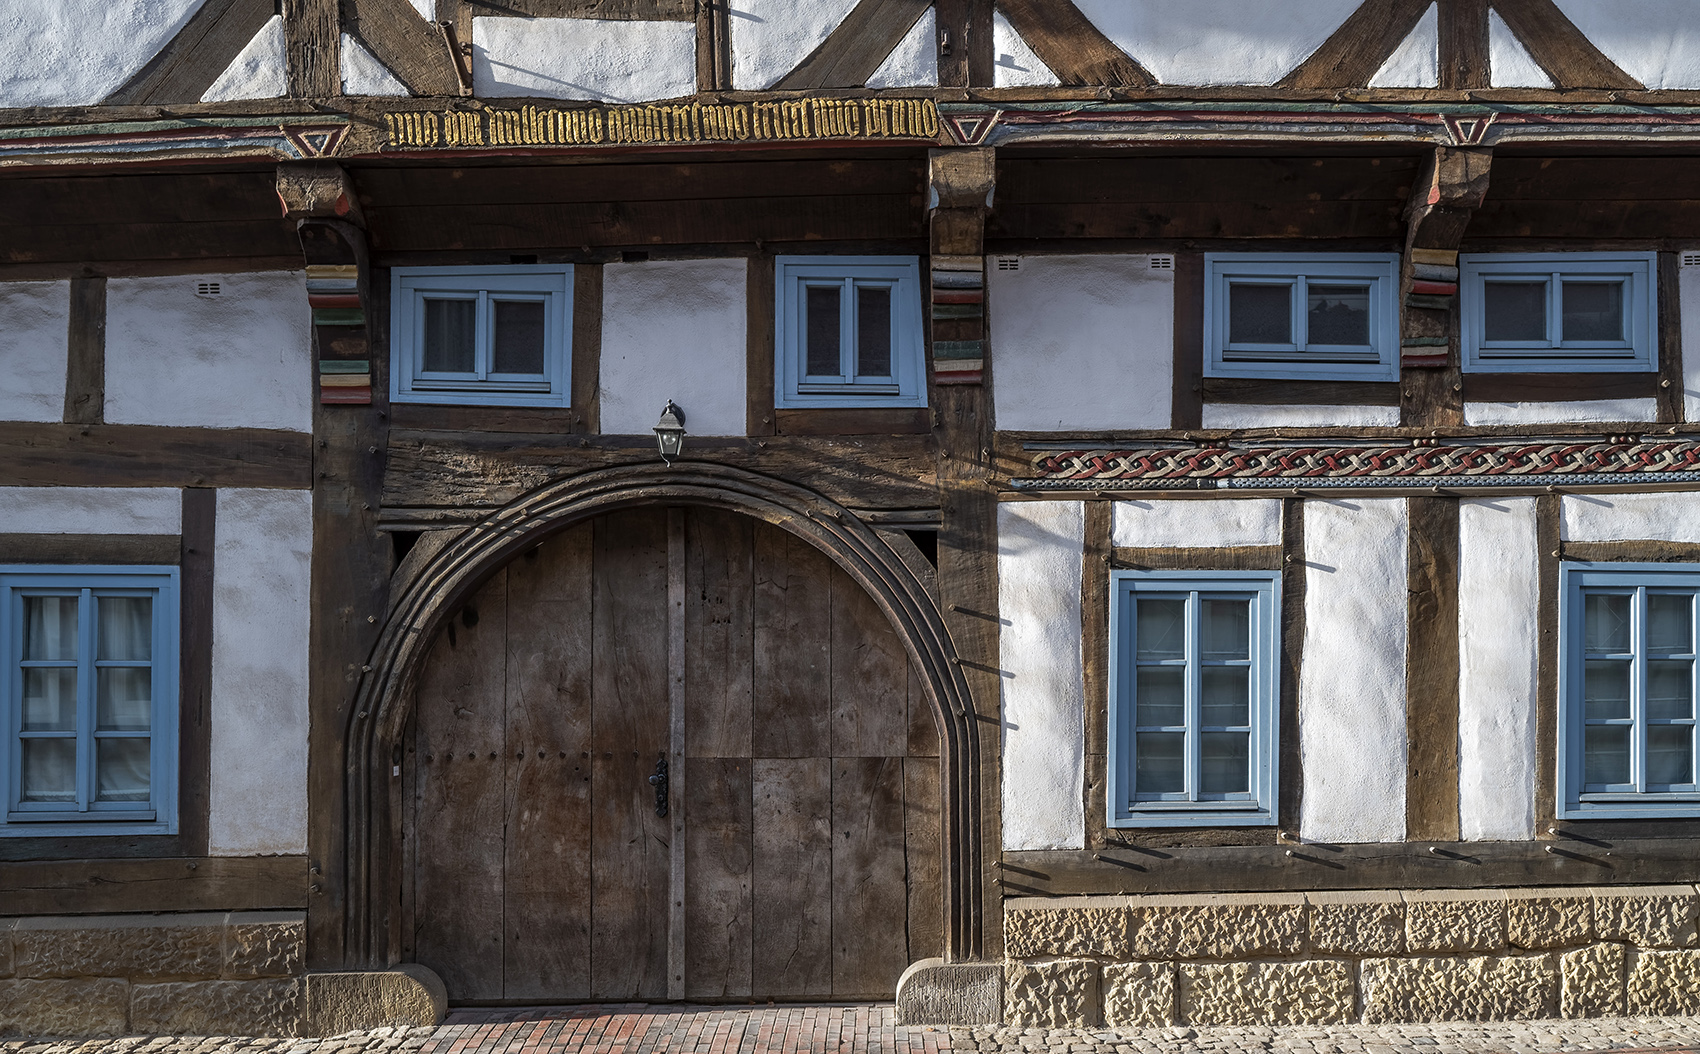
<point x="321" y="199"/>
<point x="1450" y="187"/>
<point x="962" y="185"/>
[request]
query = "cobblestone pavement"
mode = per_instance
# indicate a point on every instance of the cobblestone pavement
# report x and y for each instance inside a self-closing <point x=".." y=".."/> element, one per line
<point x="631" y="1029"/>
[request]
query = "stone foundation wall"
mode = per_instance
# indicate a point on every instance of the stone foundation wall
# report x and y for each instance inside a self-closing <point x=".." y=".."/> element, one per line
<point x="1359" y="956"/>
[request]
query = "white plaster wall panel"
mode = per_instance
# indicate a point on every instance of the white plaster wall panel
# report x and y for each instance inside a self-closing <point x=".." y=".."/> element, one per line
<point x="1688" y="286"/>
<point x="1083" y="342"/>
<point x="1498" y="626"/>
<point x="1509" y="63"/>
<point x="1041" y="547"/>
<point x="1251" y="415"/>
<point x="914" y="62"/>
<point x="90" y="510"/>
<point x="1415" y="63"/>
<point x="1655" y="41"/>
<point x="242" y="359"/>
<point x="1196" y="522"/>
<point x="262" y="560"/>
<point x="584" y="58"/>
<point x="1352" y="685"/>
<point x="34" y="318"/>
<point x="1218" y="41"/>
<point x="259" y="71"/>
<point x="1630" y="517"/>
<point x="770" y="37"/>
<point x="363" y="74"/>
<point x="1014" y="64"/>
<point x="1580" y="411"/>
<point x="674" y="330"/>
<point x="77" y="52"/>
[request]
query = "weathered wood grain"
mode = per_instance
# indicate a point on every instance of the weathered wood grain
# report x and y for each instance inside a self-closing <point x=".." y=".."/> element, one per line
<point x="1290" y="790"/>
<point x="793" y="646"/>
<point x="719" y="643"/>
<point x="1071" y="46"/>
<point x="867" y="677"/>
<point x="868" y="879"/>
<point x="85" y="886"/>
<point x="85" y="358"/>
<point x="1559" y="48"/>
<point x="1558" y="387"/>
<point x="89" y="548"/>
<point x="186" y="67"/>
<point x="714" y="46"/>
<point x="549" y="420"/>
<point x="413" y="49"/>
<point x="1431" y="671"/>
<point x="47" y="455"/>
<point x="852" y="52"/>
<point x="916" y="421"/>
<point x="922" y="857"/>
<point x="1672" y="405"/>
<point x="1464" y="44"/>
<point x="1186" y="408"/>
<point x="547" y="863"/>
<point x="195" y="559"/>
<point x="719" y="884"/>
<point x="966" y="53"/>
<point x="679" y="786"/>
<point x="791" y="819"/>
<point x="1640" y="551"/>
<point x="923" y="740"/>
<point x="312" y="43"/>
<point x="586" y="394"/>
<point x="1243" y="390"/>
<point x="607" y="10"/>
<point x="1220" y="558"/>
<point x="759" y="334"/>
<point x="1362" y="45"/>
<point x="1548" y="532"/>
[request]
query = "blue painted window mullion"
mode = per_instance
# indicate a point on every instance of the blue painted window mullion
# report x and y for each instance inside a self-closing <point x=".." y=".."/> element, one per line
<point x="1301" y="318"/>
<point x="1194" y="675"/>
<point x="85" y="699"/>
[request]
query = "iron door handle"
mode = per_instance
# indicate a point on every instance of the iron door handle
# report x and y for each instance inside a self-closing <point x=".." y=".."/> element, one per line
<point x="659" y="782"/>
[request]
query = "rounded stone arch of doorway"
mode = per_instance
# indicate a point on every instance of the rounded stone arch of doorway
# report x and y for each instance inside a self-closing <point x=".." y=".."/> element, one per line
<point x="384" y="698"/>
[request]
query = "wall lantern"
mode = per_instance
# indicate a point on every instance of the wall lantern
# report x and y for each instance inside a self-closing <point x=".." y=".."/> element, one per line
<point x="670" y="432"/>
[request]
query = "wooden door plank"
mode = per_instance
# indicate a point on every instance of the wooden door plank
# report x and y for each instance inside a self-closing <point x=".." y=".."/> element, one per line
<point x="921" y="857"/>
<point x="719" y="643"/>
<point x="1559" y="48"/>
<point x="458" y="899"/>
<point x="1075" y="50"/>
<point x="868" y="677"/>
<point x="630" y="860"/>
<point x="208" y="43"/>
<point x="853" y="51"/>
<point x="680" y="785"/>
<point x="791" y="835"/>
<point x="719" y="927"/>
<point x="546" y="953"/>
<point x="1361" y="46"/>
<point x="792" y="646"/>
<point x="869" y="894"/>
<point x="923" y="722"/>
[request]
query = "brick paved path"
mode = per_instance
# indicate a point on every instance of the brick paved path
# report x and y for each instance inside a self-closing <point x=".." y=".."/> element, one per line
<point x="872" y="1030"/>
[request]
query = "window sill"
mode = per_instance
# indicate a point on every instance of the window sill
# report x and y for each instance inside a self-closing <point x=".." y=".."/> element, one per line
<point x="1658" y="808"/>
<point x="84" y="828"/>
<point x="1254" y="816"/>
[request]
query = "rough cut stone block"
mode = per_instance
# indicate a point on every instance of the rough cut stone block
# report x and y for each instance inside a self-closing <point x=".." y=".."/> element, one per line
<point x="934" y="992"/>
<point x="1220" y="926"/>
<point x="6" y="946"/>
<point x="64" y="1008"/>
<point x="1319" y="992"/>
<point x="1650" y="916"/>
<point x="1548" y="918"/>
<point x="217" y="1008"/>
<point x="408" y="994"/>
<point x="1357" y="922"/>
<point x="138" y="947"/>
<point x="1472" y="988"/>
<point x="1664" y="983"/>
<point x="264" y="944"/>
<point x="1455" y="920"/>
<point x="1059" y="994"/>
<point x="1593" y="981"/>
<point x="1077" y="927"/>
<point x="1139" y="995"/>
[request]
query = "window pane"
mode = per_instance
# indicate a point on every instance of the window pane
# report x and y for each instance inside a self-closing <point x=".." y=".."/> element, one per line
<point x="1227" y="696"/>
<point x="1160" y="696"/>
<point x="873" y="331"/>
<point x="1607" y="622"/>
<point x="123" y="696"/>
<point x="821" y="308"/>
<point x="126" y="628"/>
<point x="1227" y="629"/>
<point x="1670" y="688"/>
<point x="50" y="628"/>
<point x="1593" y="310"/>
<point x="1260" y="314"/>
<point x="1339" y="314"/>
<point x="1669" y="622"/>
<point x="121" y="770"/>
<point x="1161" y="630"/>
<point x="1161" y="768"/>
<point x="50" y="699"/>
<point x="1224" y="762"/>
<point x="450" y="335"/>
<point x="1605" y="690"/>
<point x="1515" y="311"/>
<point x="1605" y="751"/>
<point x="49" y="770"/>
<point x="1670" y="754"/>
<point x="518" y="344"/>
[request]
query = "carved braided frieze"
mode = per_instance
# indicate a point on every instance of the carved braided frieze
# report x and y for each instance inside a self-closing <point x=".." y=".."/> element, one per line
<point x="1425" y="462"/>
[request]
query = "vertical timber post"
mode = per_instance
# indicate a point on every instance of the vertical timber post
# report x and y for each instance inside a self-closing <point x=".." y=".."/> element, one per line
<point x="1450" y="187"/>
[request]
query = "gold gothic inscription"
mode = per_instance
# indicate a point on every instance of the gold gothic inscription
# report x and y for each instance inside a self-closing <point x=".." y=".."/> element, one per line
<point x="683" y="123"/>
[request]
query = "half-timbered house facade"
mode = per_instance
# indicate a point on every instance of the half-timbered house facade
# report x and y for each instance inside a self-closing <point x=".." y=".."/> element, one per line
<point x="1108" y="511"/>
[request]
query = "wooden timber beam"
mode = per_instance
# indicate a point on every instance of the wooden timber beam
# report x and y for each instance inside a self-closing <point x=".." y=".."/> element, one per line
<point x="606" y="10"/>
<point x="853" y="51"/>
<point x="1463" y="31"/>
<point x="312" y="44"/>
<point x="714" y="45"/>
<point x="1451" y="186"/>
<point x="415" y="50"/>
<point x="1075" y="50"/>
<point x="965" y="49"/>
<point x="1362" y="45"/>
<point x="187" y="66"/>
<point x="1559" y="48"/>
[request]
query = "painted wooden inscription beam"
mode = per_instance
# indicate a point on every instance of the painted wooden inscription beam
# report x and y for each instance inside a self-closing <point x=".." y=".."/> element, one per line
<point x="297" y="137"/>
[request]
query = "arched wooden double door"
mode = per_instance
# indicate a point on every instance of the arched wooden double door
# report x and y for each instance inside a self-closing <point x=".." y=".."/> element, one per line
<point x="799" y="855"/>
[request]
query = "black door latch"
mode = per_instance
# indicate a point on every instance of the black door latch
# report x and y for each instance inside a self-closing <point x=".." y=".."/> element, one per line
<point x="659" y="782"/>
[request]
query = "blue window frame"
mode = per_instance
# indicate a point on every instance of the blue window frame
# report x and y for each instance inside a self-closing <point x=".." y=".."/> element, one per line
<point x="90" y="700"/>
<point x="1193" y="689"/>
<point x="849" y="332"/>
<point x="1555" y="312"/>
<point x="483" y="336"/>
<point x="1626" y="701"/>
<point x="1302" y="316"/>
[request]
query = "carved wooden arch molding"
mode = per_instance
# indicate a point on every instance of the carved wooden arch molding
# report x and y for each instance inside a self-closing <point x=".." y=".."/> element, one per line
<point x="384" y="698"/>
